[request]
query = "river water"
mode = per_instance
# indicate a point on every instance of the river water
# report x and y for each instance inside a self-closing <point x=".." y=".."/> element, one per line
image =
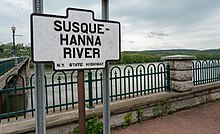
<point x="62" y="86"/>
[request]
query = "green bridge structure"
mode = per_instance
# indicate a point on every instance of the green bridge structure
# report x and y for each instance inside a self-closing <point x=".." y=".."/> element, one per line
<point x="177" y="74"/>
<point x="13" y="74"/>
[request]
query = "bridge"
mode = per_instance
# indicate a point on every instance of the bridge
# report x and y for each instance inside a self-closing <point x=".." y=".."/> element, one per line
<point x="9" y="66"/>
<point x="10" y="69"/>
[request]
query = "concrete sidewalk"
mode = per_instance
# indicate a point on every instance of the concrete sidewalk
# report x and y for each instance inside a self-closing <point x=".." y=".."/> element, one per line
<point x="203" y="119"/>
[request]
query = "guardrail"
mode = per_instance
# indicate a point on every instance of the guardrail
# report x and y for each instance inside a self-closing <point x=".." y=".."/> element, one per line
<point x="61" y="88"/>
<point x="125" y="82"/>
<point x="6" y="65"/>
<point x="20" y="59"/>
<point x="206" y="71"/>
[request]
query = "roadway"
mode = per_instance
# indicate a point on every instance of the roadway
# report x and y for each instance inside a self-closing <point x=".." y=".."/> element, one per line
<point x="203" y="119"/>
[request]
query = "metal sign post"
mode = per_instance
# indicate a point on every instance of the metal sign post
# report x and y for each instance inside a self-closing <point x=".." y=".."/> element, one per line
<point x="85" y="45"/>
<point x="39" y="82"/>
<point x="81" y="100"/>
<point x="106" y="100"/>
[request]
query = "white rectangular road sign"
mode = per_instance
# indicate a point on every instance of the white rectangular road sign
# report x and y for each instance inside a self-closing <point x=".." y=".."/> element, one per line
<point x="74" y="41"/>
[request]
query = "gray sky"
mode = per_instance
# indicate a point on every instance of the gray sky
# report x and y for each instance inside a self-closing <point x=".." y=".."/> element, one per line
<point x="146" y="24"/>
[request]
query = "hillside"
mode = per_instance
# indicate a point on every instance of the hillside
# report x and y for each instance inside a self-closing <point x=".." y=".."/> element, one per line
<point x="155" y="55"/>
<point x="128" y="57"/>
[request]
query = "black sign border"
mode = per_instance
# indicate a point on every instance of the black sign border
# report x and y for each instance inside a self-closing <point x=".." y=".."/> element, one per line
<point x="67" y="15"/>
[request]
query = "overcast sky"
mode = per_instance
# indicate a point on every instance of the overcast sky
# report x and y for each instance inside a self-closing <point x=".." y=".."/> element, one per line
<point x="146" y="24"/>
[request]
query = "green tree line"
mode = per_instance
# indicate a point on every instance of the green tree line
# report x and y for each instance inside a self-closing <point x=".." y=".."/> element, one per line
<point x="127" y="57"/>
<point x="6" y="50"/>
<point x="156" y="55"/>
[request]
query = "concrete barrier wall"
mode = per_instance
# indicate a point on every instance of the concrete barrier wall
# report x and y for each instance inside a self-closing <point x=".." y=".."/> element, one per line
<point x="65" y="122"/>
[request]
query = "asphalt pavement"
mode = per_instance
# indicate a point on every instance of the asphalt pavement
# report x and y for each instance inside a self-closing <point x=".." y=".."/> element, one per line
<point x="203" y="119"/>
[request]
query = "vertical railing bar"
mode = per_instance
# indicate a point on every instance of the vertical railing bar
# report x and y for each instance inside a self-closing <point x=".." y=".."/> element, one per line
<point x="204" y="73"/>
<point x="148" y="80"/>
<point x="133" y="82"/>
<point x="46" y="93"/>
<point x="72" y="92"/>
<point x="216" y="67"/>
<point x="32" y="101"/>
<point x="141" y="86"/>
<point x="116" y="86"/>
<point x="111" y="84"/>
<point x="24" y="96"/>
<point x="7" y="102"/>
<point x="53" y="95"/>
<point x="129" y="87"/>
<point x="137" y="81"/>
<point x="168" y="77"/>
<point x="59" y="89"/>
<point x="165" y="77"/>
<point x="198" y="73"/>
<point x="207" y="71"/>
<point x="155" y="79"/>
<point x="161" y="79"/>
<point x="144" y="74"/>
<point x="201" y="74"/>
<point x="101" y="87"/>
<point x="16" y="99"/>
<point x="96" y="85"/>
<point x="120" y="82"/>
<point x="125" y="91"/>
<point x="193" y="73"/>
<point x="158" y="78"/>
<point x="214" y="70"/>
<point x="66" y="90"/>
<point x="90" y="90"/>
<point x="151" y="79"/>
<point x="211" y="73"/>
<point x="217" y="71"/>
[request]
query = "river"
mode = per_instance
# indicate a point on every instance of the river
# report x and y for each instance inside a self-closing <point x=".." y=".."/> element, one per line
<point x="62" y="87"/>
